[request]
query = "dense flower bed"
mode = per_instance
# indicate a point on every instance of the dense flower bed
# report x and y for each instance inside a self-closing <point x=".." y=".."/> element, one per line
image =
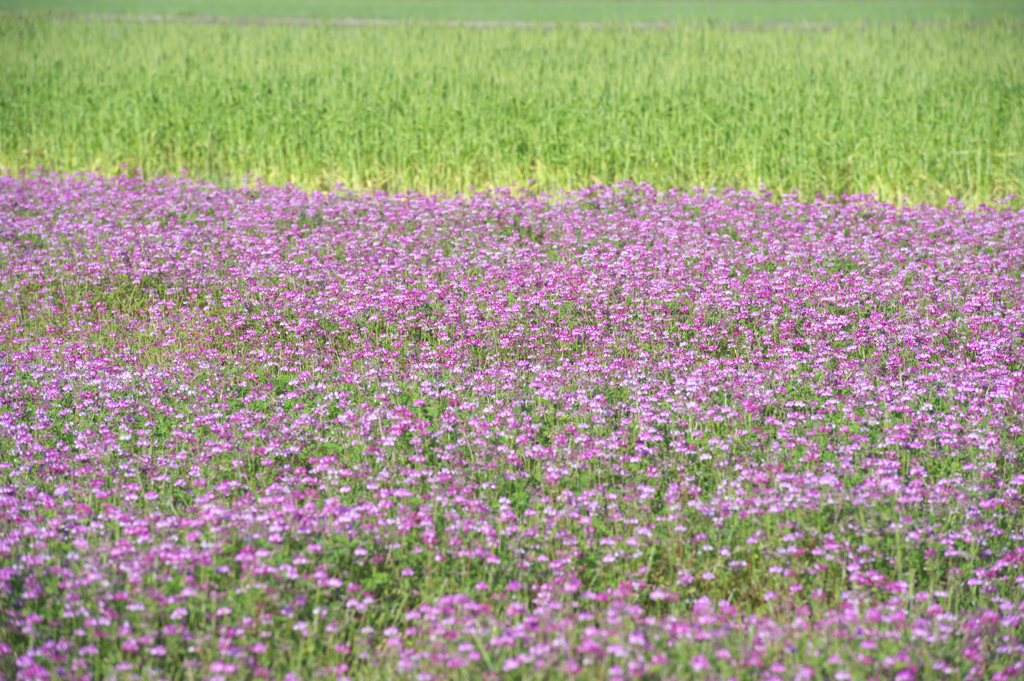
<point x="263" y="434"/>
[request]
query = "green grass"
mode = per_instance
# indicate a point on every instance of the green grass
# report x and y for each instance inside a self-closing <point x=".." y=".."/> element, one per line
<point x="727" y="11"/>
<point x="922" y="112"/>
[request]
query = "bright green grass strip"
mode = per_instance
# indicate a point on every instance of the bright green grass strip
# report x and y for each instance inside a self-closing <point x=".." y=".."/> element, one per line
<point x="921" y="112"/>
<point x="727" y="11"/>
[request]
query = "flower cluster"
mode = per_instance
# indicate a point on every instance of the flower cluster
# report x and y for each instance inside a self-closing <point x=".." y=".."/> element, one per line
<point x="259" y="433"/>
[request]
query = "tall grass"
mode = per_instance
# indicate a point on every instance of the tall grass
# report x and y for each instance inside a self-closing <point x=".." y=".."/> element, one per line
<point x="922" y="112"/>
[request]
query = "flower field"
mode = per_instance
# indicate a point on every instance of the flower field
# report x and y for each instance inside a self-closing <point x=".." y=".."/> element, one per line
<point x="259" y="433"/>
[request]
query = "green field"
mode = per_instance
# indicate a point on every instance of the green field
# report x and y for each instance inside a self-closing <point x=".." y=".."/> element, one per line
<point x="918" y="111"/>
<point x="728" y="11"/>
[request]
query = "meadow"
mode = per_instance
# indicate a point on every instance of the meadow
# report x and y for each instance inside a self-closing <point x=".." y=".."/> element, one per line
<point x="917" y="111"/>
<point x="616" y="433"/>
<point x="448" y="353"/>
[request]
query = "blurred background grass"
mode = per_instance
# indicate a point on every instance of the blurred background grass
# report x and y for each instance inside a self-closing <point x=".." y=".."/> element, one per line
<point x="923" y="111"/>
<point x="723" y="11"/>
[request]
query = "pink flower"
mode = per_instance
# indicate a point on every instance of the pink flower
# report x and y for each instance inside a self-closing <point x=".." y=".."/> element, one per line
<point x="658" y="594"/>
<point x="699" y="663"/>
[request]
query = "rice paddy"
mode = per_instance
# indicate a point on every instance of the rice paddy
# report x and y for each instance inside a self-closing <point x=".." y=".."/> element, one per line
<point x="918" y="112"/>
